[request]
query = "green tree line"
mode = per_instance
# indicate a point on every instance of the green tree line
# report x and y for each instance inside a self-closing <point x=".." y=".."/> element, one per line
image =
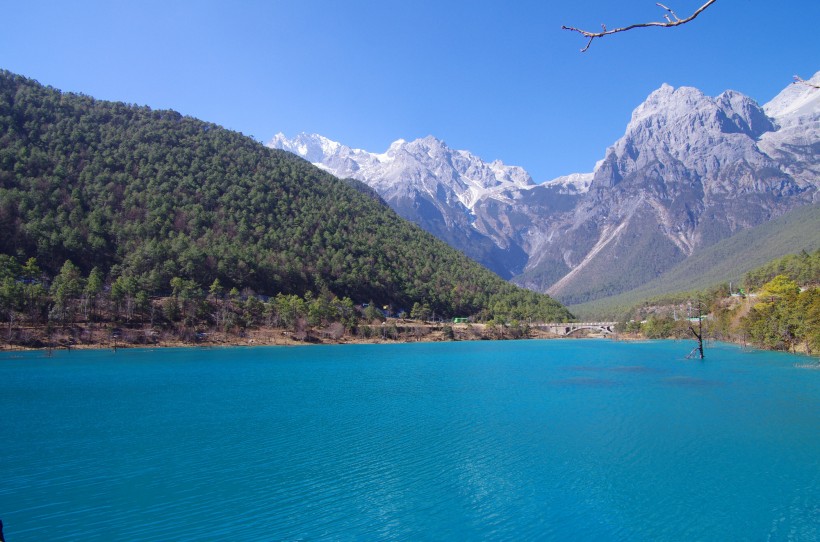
<point x="73" y="305"/>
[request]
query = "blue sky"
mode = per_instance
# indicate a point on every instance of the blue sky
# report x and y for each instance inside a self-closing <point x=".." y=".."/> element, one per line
<point x="500" y="79"/>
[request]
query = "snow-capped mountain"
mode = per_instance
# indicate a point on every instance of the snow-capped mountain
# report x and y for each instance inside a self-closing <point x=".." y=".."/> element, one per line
<point x="441" y="189"/>
<point x="690" y="170"/>
<point x="427" y="163"/>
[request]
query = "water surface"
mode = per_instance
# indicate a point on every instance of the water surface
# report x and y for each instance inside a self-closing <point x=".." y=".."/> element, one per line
<point x="555" y="440"/>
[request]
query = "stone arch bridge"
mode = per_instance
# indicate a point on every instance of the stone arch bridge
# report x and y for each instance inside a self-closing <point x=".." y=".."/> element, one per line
<point x="571" y="327"/>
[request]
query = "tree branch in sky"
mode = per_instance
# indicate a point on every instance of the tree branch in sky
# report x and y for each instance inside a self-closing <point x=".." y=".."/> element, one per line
<point x="671" y="20"/>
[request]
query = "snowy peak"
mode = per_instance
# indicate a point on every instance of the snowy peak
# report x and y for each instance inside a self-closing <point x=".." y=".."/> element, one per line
<point x="686" y="110"/>
<point x="311" y="147"/>
<point x="695" y="134"/>
<point x="668" y="101"/>
<point x="796" y="100"/>
<point x="575" y="183"/>
<point x="332" y="156"/>
<point x="796" y="110"/>
<point x="433" y="155"/>
<point x="424" y="163"/>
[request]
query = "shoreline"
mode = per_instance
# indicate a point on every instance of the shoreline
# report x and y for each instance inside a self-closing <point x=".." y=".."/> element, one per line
<point x="278" y="337"/>
<point x="410" y="332"/>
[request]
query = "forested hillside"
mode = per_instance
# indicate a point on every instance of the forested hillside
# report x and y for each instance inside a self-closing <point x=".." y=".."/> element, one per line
<point x="152" y="196"/>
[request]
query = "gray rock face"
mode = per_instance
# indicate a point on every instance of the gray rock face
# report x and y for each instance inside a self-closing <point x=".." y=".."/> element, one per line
<point x="689" y="171"/>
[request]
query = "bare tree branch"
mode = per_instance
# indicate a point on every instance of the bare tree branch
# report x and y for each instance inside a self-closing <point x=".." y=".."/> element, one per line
<point x="674" y="20"/>
<point x="800" y="81"/>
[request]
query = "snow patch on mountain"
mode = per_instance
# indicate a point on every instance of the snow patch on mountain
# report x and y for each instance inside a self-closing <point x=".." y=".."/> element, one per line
<point x="795" y="101"/>
<point x="424" y="163"/>
<point x="574" y="183"/>
<point x="796" y="111"/>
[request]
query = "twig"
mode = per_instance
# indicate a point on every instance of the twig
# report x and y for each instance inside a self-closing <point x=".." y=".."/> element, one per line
<point x="670" y="11"/>
<point x="670" y="22"/>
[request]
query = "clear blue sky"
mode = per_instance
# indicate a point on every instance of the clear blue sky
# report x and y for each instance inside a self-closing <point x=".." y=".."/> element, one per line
<point x="500" y="79"/>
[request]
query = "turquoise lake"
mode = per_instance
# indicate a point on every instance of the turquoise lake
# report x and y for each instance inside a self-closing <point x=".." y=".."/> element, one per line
<point x="516" y="440"/>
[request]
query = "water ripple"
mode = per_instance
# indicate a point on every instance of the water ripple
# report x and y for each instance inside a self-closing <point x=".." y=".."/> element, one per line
<point x="556" y="440"/>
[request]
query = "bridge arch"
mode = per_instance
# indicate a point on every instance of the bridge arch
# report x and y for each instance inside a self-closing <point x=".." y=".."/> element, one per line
<point x="568" y="328"/>
<point x="603" y="329"/>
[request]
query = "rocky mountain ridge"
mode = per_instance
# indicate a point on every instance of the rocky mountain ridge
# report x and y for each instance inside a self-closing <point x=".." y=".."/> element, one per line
<point x="690" y="170"/>
<point x="425" y="181"/>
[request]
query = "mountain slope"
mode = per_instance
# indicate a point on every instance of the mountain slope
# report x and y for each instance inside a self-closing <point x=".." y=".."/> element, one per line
<point x="155" y="195"/>
<point x="725" y="261"/>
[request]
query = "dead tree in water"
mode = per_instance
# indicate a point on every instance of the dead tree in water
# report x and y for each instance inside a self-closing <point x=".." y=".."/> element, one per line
<point x="698" y="335"/>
